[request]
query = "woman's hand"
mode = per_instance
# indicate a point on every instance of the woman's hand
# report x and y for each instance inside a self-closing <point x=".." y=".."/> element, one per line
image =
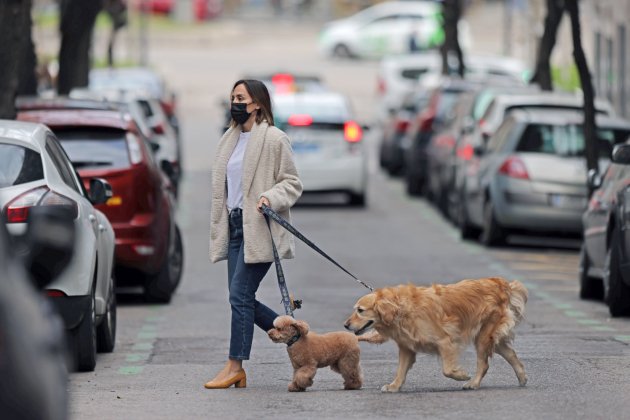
<point x="263" y="200"/>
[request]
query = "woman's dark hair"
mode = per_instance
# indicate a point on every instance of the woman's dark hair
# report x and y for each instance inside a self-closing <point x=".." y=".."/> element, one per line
<point x="260" y="95"/>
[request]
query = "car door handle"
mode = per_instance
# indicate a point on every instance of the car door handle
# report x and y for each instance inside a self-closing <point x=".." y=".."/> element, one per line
<point x="92" y="218"/>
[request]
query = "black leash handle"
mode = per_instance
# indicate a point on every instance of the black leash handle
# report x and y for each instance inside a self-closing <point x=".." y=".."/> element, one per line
<point x="269" y="213"/>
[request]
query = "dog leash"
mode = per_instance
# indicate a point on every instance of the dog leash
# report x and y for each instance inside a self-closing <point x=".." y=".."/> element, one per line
<point x="269" y="213"/>
<point x="282" y="284"/>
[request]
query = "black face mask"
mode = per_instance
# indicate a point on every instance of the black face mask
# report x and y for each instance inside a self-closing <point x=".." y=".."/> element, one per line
<point x="239" y="113"/>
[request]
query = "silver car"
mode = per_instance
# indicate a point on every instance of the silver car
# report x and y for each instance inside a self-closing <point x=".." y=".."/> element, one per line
<point x="35" y="171"/>
<point x="531" y="176"/>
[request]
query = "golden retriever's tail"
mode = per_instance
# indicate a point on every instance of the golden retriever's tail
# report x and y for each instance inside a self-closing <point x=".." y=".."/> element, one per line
<point x="518" y="299"/>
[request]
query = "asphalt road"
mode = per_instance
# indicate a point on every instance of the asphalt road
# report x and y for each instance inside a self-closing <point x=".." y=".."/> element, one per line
<point x="577" y="357"/>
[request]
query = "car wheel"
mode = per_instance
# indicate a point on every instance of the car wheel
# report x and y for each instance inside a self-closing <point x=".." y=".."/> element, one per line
<point x="466" y="229"/>
<point x="357" y="200"/>
<point x="590" y="287"/>
<point x="106" y="331"/>
<point x="492" y="234"/>
<point x="160" y="287"/>
<point x="342" y="50"/>
<point x="617" y="292"/>
<point x="413" y="185"/>
<point x="84" y="337"/>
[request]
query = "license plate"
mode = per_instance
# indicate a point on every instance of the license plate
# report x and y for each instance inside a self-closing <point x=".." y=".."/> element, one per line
<point x="305" y="147"/>
<point x="567" y="201"/>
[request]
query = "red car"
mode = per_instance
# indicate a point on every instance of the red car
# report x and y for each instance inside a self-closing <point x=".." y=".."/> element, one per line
<point x="107" y="144"/>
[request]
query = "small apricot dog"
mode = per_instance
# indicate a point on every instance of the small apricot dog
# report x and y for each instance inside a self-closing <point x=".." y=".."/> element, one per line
<point x="309" y="351"/>
<point x="443" y="320"/>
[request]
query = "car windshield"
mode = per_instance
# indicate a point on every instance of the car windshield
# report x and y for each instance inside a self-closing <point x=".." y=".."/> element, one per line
<point x="328" y="110"/>
<point x="19" y="165"/>
<point x="95" y="148"/>
<point x="568" y="140"/>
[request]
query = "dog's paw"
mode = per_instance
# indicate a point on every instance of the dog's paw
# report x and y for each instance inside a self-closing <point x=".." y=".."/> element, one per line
<point x="522" y="380"/>
<point x="294" y="388"/>
<point x="458" y="375"/>
<point x="389" y="388"/>
<point x="471" y="385"/>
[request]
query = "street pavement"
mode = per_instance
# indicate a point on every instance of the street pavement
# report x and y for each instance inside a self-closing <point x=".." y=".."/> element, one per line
<point x="577" y="357"/>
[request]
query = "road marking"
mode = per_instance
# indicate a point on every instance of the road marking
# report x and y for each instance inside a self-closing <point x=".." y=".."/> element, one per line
<point x="141" y="350"/>
<point x="130" y="370"/>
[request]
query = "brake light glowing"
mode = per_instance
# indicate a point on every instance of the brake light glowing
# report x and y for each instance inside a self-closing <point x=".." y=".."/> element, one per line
<point x="465" y="152"/>
<point x="401" y="125"/>
<point x="17" y="210"/>
<point x="514" y="168"/>
<point x="300" y="120"/>
<point x="282" y="79"/>
<point x="352" y="132"/>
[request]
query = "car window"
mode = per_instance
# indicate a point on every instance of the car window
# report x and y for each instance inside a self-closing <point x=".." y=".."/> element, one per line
<point x="324" y="111"/>
<point x="96" y="148"/>
<point x="414" y="73"/>
<point x="62" y="163"/>
<point x="567" y="140"/>
<point x="498" y="140"/>
<point x="19" y="165"/>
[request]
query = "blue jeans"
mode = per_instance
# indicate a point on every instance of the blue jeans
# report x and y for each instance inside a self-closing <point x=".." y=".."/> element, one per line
<point x="243" y="282"/>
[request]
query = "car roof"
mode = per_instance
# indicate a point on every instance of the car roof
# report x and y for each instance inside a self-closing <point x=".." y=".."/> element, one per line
<point x="79" y="118"/>
<point x="544" y="98"/>
<point x="31" y="103"/>
<point x="424" y="6"/>
<point x="565" y="117"/>
<point x="21" y="131"/>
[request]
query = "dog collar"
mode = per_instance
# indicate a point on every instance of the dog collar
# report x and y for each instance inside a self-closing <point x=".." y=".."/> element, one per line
<point x="293" y="339"/>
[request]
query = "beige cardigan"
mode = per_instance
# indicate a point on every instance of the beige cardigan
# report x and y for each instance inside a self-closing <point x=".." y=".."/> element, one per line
<point x="269" y="171"/>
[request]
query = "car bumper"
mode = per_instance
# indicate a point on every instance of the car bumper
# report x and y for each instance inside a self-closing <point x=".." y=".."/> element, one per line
<point x="520" y="208"/>
<point x="140" y="245"/>
<point x="344" y="174"/>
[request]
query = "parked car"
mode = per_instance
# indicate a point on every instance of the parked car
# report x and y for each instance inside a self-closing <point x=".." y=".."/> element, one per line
<point x="327" y="143"/>
<point x="146" y="111"/>
<point x="36" y="172"/>
<point x="400" y="74"/>
<point x="382" y="29"/>
<point x="605" y="254"/>
<point x="532" y="174"/>
<point x="429" y="120"/>
<point x="138" y="79"/>
<point x="33" y="371"/>
<point x="108" y="144"/>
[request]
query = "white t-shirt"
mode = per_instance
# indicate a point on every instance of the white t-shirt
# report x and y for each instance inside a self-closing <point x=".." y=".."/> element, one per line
<point x="235" y="173"/>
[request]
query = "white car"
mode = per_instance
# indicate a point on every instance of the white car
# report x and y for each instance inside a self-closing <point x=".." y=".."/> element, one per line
<point x="35" y="171"/>
<point x="385" y="28"/>
<point x="398" y="75"/>
<point x="327" y="143"/>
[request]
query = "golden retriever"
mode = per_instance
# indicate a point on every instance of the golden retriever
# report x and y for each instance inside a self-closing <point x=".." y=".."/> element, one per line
<point x="443" y="320"/>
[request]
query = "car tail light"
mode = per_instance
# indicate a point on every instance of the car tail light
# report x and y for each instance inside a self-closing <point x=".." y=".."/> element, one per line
<point x="159" y="128"/>
<point x="135" y="152"/>
<point x="300" y="120"/>
<point x="16" y="211"/>
<point x="401" y="125"/>
<point x="426" y="121"/>
<point x="352" y="132"/>
<point x="514" y="168"/>
<point x="55" y="293"/>
<point x="465" y="152"/>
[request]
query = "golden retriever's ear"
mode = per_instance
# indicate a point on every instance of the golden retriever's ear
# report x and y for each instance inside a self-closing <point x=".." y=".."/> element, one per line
<point x="301" y="326"/>
<point x="386" y="310"/>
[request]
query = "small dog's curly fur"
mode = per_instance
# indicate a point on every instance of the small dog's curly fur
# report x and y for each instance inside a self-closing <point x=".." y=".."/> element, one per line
<point x="339" y="350"/>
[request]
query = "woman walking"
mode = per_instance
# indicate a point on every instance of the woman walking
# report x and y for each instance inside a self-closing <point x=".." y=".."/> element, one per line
<point x="253" y="166"/>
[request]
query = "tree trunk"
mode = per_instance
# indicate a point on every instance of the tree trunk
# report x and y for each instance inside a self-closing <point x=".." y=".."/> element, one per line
<point x="542" y="72"/>
<point x="590" y="128"/>
<point x="451" y="12"/>
<point x="117" y="11"/>
<point x="15" y="22"/>
<point x="76" y="25"/>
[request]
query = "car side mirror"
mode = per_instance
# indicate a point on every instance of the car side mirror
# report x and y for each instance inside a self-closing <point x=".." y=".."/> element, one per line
<point x="154" y="146"/>
<point x="100" y="191"/>
<point x="621" y="154"/>
<point x="50" y="239"/>
<point x="479" y="150"/>
<point x="594" y="179"/>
